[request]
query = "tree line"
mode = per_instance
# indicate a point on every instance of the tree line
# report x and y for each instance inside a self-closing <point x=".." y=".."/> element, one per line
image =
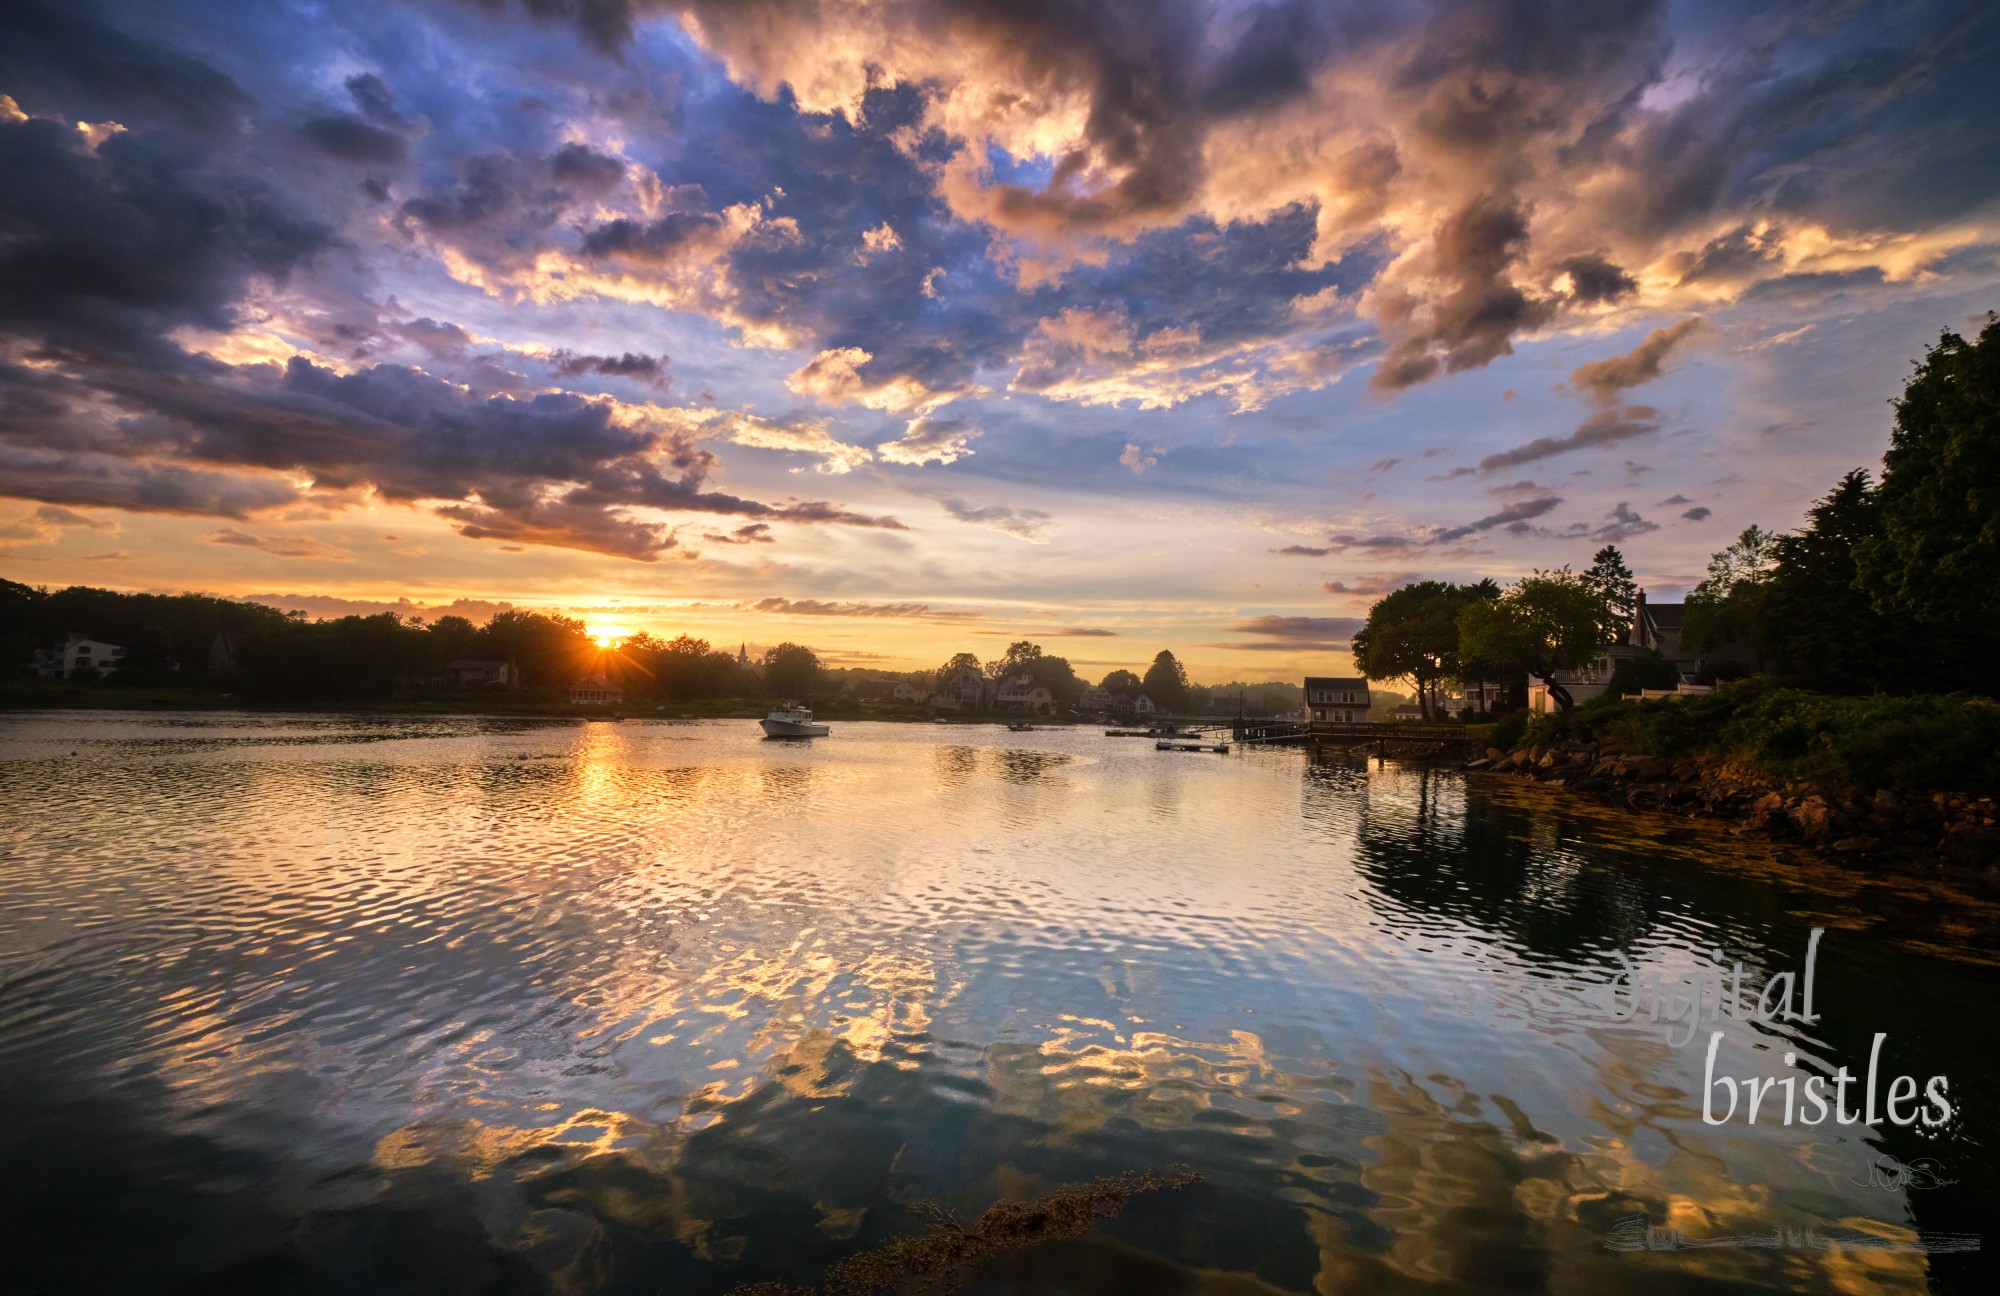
<point x="1165" y="682"/>
<point x="287" y="657"/>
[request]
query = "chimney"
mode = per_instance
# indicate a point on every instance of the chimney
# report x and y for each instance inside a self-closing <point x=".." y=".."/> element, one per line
<point x="1639" y="620"/>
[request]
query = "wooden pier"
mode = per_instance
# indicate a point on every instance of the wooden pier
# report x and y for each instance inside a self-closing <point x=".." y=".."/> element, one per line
<point x="1328" y="733"/>
<point x="1171" y="744"/>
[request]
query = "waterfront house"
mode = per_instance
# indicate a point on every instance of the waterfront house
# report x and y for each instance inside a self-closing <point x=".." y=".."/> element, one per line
<point x="1337" y="699"/>
<point x="965" y="688"/>
<point x="1407" y="711"/>
<point x="484" y="673"/>
<point x="1021" y="693"/>
<point x="907" y="692"/>
<point x="1094" y="698"/>
<point x="78" y="653"/>
<point x="1658" y="626"/>
<point x="1476" y="695"/>
<point x="595" y="690"/>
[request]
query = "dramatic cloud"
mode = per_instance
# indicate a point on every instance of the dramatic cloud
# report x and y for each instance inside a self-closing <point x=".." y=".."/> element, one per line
<point x="821" y="607"/>
<point x="928" y="440"/>
<point x="650" y="370"/>
<point x="752" y="533"/>
<point x="1606" y="427"/>
<point x="47" y="524"/>
<point x="1300" y="627"/>
<point x="1698" y="514"/>
<point x="431" y="257"/>
<point x="279" y="546"/>
<point x="1621" y="524"/>
<point x="1295" y="634"/>
<point x="1470" y="307"/>
<point x="1027" y="524"/>
<point x="1604" y="380"/>
<point x="1373" y="585"/>
<point x="1138" y="458"/>
<point x="1514" y="515"/>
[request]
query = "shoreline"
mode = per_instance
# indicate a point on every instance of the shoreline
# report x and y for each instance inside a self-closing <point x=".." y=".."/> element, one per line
<point x="162" y="701"/>
<point x="1943" y="831"/>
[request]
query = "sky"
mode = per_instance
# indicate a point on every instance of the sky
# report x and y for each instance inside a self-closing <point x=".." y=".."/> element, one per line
<point x="923" y="326"/>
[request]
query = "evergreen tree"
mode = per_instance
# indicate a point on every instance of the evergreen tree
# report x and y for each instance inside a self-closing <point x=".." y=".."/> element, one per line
<point x="1611" y="580"/>
<point x="1934" y="560"/>
<point x="1822" y="628"/>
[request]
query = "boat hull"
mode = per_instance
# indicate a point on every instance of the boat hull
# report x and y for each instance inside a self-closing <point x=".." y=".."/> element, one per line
<point x="793" y="729"/>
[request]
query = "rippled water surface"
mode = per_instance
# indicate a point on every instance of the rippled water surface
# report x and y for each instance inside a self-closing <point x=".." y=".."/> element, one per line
<point x="318" y="1004"/>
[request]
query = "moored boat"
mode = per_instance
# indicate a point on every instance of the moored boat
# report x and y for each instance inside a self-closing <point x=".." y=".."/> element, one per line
<point x="792" y="721"/>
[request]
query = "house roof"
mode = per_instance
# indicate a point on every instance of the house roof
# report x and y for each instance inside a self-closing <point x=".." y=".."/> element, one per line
<point x="1344" y="682"/>
<point x="596" y="682"/>
<point x="1667" y="616"/>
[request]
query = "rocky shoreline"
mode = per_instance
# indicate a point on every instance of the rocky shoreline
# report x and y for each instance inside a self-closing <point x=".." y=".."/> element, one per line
<point x="1882" y="826"/>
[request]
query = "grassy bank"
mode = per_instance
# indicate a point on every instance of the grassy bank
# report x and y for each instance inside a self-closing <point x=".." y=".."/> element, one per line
<point x="1915" y="745"/>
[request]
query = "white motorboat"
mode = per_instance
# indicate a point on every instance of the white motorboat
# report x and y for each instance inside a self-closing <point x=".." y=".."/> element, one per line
<point x="792" y="721"/>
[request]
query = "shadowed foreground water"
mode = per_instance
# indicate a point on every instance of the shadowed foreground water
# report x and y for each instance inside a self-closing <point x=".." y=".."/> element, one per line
<point x="335" y="1004"/>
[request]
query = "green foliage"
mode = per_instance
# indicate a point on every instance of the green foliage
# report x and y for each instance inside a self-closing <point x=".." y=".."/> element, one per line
<point x="1413" y="634"/>
<point x="1934" y="558"/>
<point x="1166" y="683"/>
<point x="1645" y="670"/>
<point x="1548" y="622"/>
<point x="1122" y="681"/>
<point x="1915" y="745"/>
<point x="790" y="671"/>
<point x="1506" y="732"/>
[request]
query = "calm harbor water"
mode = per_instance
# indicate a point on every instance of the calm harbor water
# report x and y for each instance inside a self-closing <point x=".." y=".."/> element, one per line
<point x="342" y="1004"/>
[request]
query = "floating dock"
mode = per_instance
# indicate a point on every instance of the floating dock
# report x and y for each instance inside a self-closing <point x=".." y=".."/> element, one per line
<point x="1220" y="749"/>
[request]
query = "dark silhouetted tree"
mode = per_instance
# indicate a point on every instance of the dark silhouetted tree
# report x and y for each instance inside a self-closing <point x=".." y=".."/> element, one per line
<point x="1934" y="561"/>
<point x="1166" y="683"/>
<point x="790" y="671"/>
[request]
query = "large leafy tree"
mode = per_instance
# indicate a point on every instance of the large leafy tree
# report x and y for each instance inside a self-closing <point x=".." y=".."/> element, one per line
<point x="790" y="670"/>
<point x="1121" y="681"/>
<point x="1412" y="634"/>
<point x="964" y="661"/>
<point x="1166" y="683"/>
<point x="1934" y="560"/>
<point x="1548" y="622"/>
<point x="551" y="650"/>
